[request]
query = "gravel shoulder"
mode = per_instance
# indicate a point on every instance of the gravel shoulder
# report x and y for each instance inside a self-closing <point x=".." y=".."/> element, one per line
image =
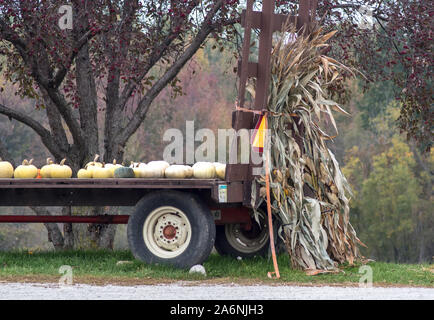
<point x="199" y="291"/>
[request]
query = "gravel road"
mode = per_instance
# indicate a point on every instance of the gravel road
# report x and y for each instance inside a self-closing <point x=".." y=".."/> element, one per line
<point x="26" y="291"/>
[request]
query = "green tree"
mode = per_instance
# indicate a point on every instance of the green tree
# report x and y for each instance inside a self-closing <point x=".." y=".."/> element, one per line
<point x="389" y="201"/>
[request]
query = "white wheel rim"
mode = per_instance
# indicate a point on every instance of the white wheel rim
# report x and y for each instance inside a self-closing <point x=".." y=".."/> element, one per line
<point x="242" y="243"/>
<point x="167" y="232"/>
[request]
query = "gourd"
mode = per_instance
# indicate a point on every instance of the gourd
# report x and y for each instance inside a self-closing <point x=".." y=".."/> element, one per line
<point x="84" y="174"/>
<point x="124" y="172"/>
<point x="145" y="171"/>
<point x="6" y="169"/>
<point x="156" y="169"/>
<point x="136" y="169"/>
<point x="176" y="172"/>
<point x="220" y="170"/>
<point x="26" y="171"/>
<point x="188" y="171"/>
<point x="61" y="171"/>
<point x="46" y="170"/>
<point x="112" y="167"/>
<point x="100" y="172"/>
<point x="90" y="166"/>
<point x="204" y="170"/>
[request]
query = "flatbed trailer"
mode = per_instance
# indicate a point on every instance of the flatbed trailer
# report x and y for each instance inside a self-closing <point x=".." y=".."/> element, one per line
<point x="178" y="222"/>
<point x="110" y="192"/>
<point x="187" y="212"/>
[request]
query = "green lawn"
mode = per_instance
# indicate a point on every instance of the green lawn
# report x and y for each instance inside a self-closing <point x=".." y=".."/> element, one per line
<point x="100" y="267"/>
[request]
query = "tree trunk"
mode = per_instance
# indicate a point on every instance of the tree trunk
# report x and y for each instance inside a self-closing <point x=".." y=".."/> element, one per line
<point x="68" y="232"/>
<point x="54" y="234"/>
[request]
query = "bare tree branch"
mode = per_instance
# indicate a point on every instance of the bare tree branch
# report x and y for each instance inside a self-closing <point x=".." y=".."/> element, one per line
<point x="143" y="106"/>
<point x="45" y="135"/>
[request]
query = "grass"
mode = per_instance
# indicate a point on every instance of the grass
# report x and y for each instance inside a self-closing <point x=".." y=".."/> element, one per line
<point x="100" y="267"/>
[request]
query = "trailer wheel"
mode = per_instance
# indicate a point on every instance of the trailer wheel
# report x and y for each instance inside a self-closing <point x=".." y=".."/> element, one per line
<point x="171" y="227"/>
<point x="235" y="241"/>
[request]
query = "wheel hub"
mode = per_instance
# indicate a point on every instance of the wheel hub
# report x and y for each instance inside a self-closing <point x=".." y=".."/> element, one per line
<point x="170" y="232"/>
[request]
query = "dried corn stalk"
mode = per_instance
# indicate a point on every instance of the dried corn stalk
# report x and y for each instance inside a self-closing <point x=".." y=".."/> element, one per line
<point x="316" y="229"/>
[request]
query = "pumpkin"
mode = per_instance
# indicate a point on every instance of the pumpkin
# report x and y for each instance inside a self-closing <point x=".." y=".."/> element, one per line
<point x="124" y="172"/>
<point x="84" y="174"/>
<point x="134" y="164"/>
<point x="112" y="167"/>
<point x="61" y="171"/>
<point x="188" y="171"/>
<point x="45" y="170"/>
<point x="175" y="172"/>
<point x="26" y="171"/>
<point x="100" y="172"/>
<point x="6" y="169"/>
<point x="136" y="169"/>
<point x="220" y="170"/>
<point x="94" y="162"/>
<point x="204" y="170"/>
<point x="90" y="166"/>
<point x="156" y="168"/>
<point x="145" y="171"/>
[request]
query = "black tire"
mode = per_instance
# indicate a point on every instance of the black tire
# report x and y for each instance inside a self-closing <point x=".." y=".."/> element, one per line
<point x="190" y="211"/>
<point x="232" y="240"/>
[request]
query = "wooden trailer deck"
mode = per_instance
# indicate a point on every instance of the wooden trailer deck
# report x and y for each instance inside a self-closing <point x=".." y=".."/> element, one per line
<point x="109" y="192"/>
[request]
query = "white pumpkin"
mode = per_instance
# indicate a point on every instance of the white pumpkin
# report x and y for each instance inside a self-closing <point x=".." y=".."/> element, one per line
<point x="6" y="169"/>
<point x="26" y="171"/>
<point x="157" y="168"/>
<point x="204" y="170"/>
<point x="45" y="171"/>
<point x="149" y="171"/>
<point x="60" y="171"/>
<point x="175" y="172"/>
<point x="188" y="171"/>
<point x="220" y="170"/>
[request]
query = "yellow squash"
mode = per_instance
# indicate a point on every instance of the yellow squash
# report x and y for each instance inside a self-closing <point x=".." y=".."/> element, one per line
<point x="26" y="171"/>
<point x="6" y="169"/>
<point x="101" y="172"/>
<point x="61" y="171"/>
<point x="84" y="174"/>
<point x="46" y="170"/>
<point x="95" y="162"/>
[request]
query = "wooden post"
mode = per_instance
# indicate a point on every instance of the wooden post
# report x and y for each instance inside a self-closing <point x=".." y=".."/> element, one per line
<point x="267" y="22"/>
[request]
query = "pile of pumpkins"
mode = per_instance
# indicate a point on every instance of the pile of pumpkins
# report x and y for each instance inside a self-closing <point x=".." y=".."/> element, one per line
<point x="28" y="171"/>
<point x="153" y="169"/>
<point x="98" y="170"/>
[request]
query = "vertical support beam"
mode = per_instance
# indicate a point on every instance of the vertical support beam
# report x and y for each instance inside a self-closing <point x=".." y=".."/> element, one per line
<point x="245" y="53"/>
<point x="265" y="46"/>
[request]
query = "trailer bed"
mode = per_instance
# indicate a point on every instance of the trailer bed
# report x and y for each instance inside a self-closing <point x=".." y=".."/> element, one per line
<point x="108" y="192"/>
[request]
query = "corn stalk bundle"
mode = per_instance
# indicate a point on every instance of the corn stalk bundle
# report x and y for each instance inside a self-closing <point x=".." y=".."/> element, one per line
<point x="316" y="229"/>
